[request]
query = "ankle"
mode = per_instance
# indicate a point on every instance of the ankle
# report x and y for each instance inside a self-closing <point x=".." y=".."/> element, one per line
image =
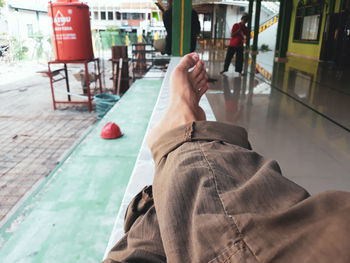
<point x="181" y="113"/>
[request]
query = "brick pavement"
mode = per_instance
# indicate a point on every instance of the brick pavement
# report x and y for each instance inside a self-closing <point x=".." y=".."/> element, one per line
<point x="33" y="137"/>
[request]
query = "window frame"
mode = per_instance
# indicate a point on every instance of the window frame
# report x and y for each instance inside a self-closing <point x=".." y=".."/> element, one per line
<point x="118" y="15"/>
<point x="103" y="15"/>
<point x="96" y="15"/>
<point x="305" y="10"/>
<point x="135" y="16"/>
<point x="110" y="15"/>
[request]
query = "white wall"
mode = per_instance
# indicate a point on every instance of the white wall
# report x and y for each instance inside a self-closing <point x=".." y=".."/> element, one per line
<point x="115" y="6"/>
<point x="14" y="25"/>
<point x="268" y="37"/>
<point x="18" y="22"/>
<point x="233" y="16"/>
<point x="264" y="15"/>
<point x="3" y="23"/>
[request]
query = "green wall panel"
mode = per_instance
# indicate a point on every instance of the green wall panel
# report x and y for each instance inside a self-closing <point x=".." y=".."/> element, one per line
<point x="337" y="6"/>
<point x="305" y="49"/>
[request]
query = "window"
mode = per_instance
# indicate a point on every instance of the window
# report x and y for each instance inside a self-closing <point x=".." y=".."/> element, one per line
<point x="118" y="15"/>
<point x="308" y="21"/>
<point x="207" y="17"/>
<point x="95" y="15"/>
<point x="103" y="15"/>
<point x="135" y="16"/>
<point x="125" y="16"/>
<point x="310" y="27"/>
<point x="30" y="30"/>
<point x="110" y="15"/>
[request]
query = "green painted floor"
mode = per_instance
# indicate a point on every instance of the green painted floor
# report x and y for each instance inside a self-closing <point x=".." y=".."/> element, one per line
<point x="71" y="215"/>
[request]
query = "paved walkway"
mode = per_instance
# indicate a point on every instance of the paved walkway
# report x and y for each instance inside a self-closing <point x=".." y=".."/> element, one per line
<point x="33" y="136"/>
<point x="70" y="217"/>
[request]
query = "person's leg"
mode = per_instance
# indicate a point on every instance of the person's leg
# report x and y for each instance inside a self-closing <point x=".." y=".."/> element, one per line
<point x="142" y="241"/>
<point x="186" y="89"/>
<point x="219" y="201"/>
<point x="239" y="60"/>
<point x="229" y="55"/>
<point x="207" y="186"/>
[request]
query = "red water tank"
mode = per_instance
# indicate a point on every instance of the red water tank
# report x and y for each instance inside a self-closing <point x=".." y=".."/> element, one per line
<point x="71" y="30"/>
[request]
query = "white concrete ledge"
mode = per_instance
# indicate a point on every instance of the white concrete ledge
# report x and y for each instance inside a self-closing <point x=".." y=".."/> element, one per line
<point x="143" y="171"/>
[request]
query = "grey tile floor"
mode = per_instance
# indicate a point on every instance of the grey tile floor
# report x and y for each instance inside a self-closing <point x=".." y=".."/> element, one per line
<point x="312" y="150"/>
<point x="286" y="121"/>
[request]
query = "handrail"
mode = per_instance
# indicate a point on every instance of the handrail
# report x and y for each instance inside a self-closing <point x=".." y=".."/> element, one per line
<point x="275" y="15"/>
<point x="268" y="23"/>
<point x="263" y="26"/>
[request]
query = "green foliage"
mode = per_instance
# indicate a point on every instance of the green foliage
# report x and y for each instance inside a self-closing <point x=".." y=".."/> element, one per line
<point x="156" y="16"/>
<point x="2" y="3"/>
<point x="113" y="29"/>
<point x="264" y="48"/>
<point x="18" y="50"/>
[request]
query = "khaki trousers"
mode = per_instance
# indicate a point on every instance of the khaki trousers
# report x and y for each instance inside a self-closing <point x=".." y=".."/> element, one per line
<point x="215" y="200"/>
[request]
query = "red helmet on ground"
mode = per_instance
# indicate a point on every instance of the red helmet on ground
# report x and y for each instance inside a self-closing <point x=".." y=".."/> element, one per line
<point x="111" y="131"/>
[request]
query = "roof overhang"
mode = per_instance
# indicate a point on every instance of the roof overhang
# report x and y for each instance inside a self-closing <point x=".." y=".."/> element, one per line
<point x="29" y="9"/>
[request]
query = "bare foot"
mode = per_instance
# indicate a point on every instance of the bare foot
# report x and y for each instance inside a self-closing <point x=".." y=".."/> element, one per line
<point x="186" y="90"/>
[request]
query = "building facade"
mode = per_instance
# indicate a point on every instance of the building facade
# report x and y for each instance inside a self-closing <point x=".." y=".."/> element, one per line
<point x="22" y="19"/>
<point x="128" y="16"/>
<point x="26" y="28"/>
<point x="26" y="24"/>
<point x="320" y="30"/>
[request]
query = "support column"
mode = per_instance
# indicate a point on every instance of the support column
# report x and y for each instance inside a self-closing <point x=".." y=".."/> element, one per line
<point x="213" y="29"/>
<point x="256" y="27"/>
<point x="213" y="22"/>
<point x="181" y="27"/>
<point x="250" y="13"/>
<point x="279" y="26"/>
<point x="285" y="18"/>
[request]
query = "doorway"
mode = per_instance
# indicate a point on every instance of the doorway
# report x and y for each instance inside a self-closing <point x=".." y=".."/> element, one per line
<point x="336" y="39"/>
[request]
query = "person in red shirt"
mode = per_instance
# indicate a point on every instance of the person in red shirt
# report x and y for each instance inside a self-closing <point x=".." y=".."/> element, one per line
<point x="239" y="33"/>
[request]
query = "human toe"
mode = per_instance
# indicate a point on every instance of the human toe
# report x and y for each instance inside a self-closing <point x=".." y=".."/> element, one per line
<point x="188" y="61"/>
